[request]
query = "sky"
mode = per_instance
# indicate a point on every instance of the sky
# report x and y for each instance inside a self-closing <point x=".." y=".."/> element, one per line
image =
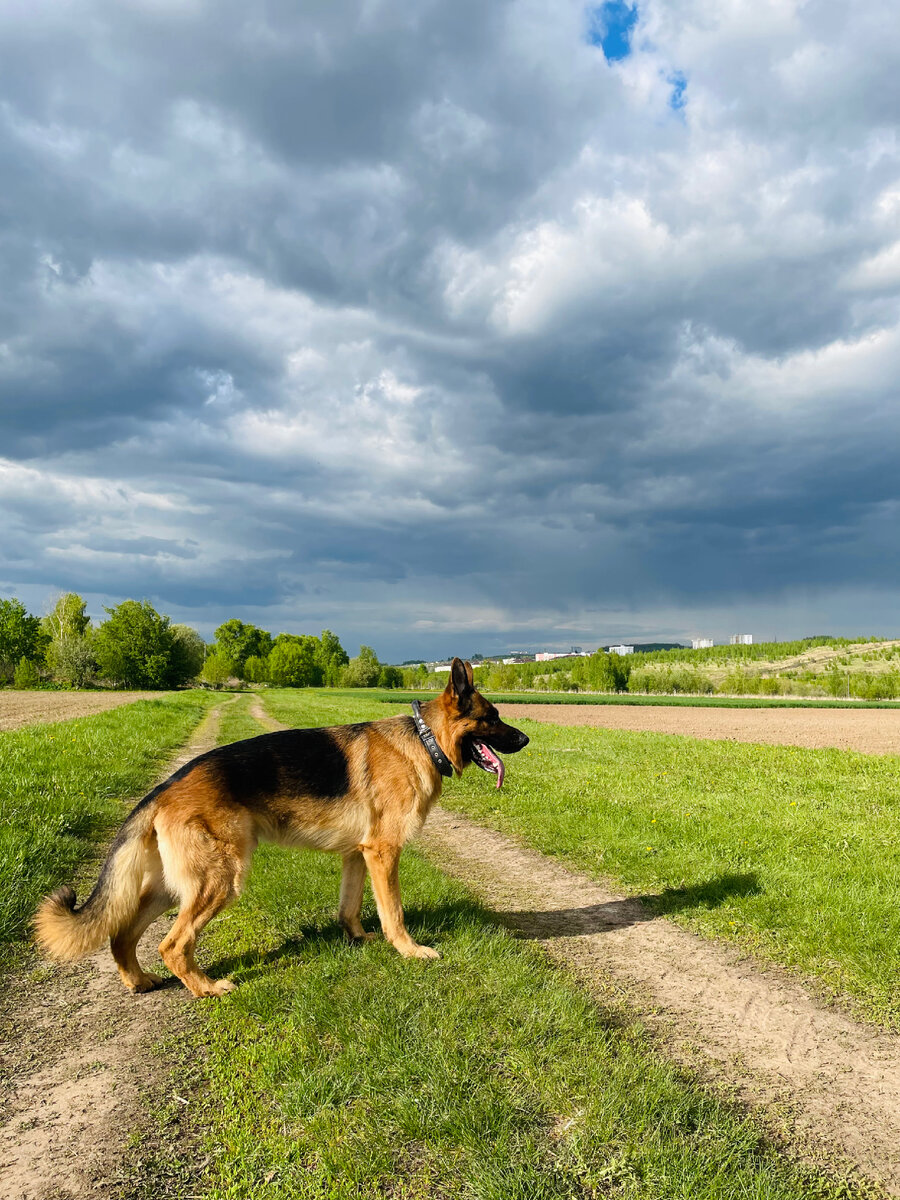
<point x="454" y="327"/>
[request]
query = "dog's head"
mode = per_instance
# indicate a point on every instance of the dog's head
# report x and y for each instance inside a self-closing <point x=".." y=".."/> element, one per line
<point x="473" y="730"/>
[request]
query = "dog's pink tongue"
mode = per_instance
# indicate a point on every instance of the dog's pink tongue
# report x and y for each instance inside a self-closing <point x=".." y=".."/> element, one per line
<point x="491" y="762"/>
<point x="500" y="772"/>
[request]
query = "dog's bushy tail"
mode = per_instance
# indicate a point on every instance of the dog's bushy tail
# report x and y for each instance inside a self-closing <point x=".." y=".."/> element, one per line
<point x="65" y="932"/>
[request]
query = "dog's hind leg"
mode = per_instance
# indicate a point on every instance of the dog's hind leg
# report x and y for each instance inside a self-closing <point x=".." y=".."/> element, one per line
<point x="383" y="861"/>
<point x="353" y="881"/>
<point x="154" y="902"/>
<point x="207" y="872"/>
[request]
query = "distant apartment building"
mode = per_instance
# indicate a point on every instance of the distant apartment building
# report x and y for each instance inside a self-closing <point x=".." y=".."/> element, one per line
<point x="701" y="643"/>
<point x="547" y="655"/>
<point x="742" y="639"/>
<point x="621" y="649"/>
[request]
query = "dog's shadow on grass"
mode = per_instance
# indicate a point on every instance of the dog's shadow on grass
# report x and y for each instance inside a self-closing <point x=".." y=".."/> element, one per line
<point x="428" y="924"/>
<point x="631" y="910"/>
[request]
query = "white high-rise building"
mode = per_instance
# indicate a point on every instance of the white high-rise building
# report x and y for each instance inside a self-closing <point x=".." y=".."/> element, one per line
<point x="742" y="639"/>
<point x="701" y="643"/>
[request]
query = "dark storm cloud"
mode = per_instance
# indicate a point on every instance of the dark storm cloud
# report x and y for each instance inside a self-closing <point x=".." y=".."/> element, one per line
<point x="410" y="320"/>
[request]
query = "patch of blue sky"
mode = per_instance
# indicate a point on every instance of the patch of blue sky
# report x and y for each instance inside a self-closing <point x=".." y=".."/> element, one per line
<point x="677" y="99"/>
<point x="610" y="26"/>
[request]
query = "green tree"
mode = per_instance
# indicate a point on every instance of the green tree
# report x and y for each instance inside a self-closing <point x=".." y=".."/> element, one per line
<point x="188" y="653"/>
<point x="217" y="669"/>
<point x="362" y="671"/>
<point x="256" y="669"/>
<point x="68" y="618"/>
<point x="21" y="636"/>
<point x="390" y="677"/>
<point x="238" y="641"/>
<point x="331" y="657"/>
<point x="135" y="647"/>
<point x="293" y="661"/>
<point x="71" y="660"/>
<point x="70" y="653"/>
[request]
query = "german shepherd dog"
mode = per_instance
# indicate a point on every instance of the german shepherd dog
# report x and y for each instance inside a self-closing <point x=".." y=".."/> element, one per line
<point x="360" y="790"/>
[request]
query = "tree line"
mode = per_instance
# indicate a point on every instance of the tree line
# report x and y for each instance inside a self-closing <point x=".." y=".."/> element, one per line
<point x="138" y="647"/>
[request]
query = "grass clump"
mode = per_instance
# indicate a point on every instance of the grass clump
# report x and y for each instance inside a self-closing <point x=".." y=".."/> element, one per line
<point x="62" y="790"/>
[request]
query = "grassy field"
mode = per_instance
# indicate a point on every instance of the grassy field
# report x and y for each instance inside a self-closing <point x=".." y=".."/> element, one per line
<point x="791" y="853"/>
<point x="341" y="1071"/>
<point x="62" y="788"/>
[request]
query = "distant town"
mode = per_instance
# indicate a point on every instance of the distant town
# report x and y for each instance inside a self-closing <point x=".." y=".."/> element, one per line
<point x="525" y="656"/>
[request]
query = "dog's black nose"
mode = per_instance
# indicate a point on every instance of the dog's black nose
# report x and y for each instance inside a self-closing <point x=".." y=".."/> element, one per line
<point x="523" y="741"/>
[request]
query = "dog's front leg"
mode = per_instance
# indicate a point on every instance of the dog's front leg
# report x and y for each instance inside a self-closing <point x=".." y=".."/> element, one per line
<point x="353" y="881"/>
<point x="383" y="861"/>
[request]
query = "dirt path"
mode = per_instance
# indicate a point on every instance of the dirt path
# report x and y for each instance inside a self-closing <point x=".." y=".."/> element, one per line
<point x="29" y="708"/>
<point x="74" y="1058"/>
<point x="810" y="1070"/>
<point x="871" y="730"/>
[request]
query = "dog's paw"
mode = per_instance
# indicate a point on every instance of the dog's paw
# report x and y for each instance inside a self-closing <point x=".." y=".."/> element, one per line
<point x="417" y="951"/>
<point x="146" y="983"/>
<point x="214" y="987"/>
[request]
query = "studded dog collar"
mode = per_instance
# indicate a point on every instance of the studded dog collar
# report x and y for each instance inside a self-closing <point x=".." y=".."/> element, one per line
<point x="429" y="741"/>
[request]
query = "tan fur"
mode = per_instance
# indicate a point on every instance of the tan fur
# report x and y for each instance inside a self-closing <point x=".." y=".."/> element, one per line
<point x="191" y="841"/>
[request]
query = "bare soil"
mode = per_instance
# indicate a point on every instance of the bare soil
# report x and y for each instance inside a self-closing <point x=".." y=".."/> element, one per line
<point x="818" y="1080"/>
<point x="870" y="730"/>
<point x="75" y="1055"/>
<point x="29" y="708"/>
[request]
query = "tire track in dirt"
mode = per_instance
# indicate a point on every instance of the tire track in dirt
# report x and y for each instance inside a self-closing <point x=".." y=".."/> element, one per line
<point x="75" y="1055"/>
<point x="809" y="1069"/>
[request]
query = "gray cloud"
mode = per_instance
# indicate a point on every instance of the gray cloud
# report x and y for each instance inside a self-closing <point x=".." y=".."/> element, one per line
<point x="431" y="322"/>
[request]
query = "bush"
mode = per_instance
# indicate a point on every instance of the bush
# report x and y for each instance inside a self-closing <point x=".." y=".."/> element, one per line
<point x="217" y="670"/>
<point x="256" y="669"/>
<point x="293" y="661"/>
<point x="136" y="648"/>
<point x="390" y="677"/>
<point x="675" y="681"/>
<point x="362" y="671"/>
<point x="71" y="660"/>
<point x="188" y="652"/>
<point x="26" y="675"/>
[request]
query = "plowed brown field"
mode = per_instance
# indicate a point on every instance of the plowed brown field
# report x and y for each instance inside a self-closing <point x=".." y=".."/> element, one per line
<point x="27" y="708"/>
<point x="871" y="730"/>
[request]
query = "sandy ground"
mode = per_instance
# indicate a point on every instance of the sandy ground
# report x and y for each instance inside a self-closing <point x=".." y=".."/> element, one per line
<point x="75" y="1057"/>
<point x="871" y="730"/>
<point x="832" y="1086"/>
<point x="27" y="708"/>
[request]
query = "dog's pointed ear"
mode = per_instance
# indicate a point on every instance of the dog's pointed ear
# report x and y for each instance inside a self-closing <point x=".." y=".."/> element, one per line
<point x="471" y="674"/>
<point x="460" y="684"/>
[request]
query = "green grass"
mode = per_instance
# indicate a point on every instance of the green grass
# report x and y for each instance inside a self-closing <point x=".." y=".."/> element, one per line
<point x="341" y="1071"/>
<point x="791" y="853"/>
<point x="62" y="788"/>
